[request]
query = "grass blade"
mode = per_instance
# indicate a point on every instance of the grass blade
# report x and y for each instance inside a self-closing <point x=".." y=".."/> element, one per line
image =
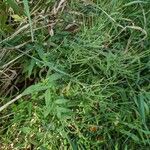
<point x="26" y="7"/>
<point x="14" y="6"/>
<point x="142" y="108"/>
<point x="134" y="2"/>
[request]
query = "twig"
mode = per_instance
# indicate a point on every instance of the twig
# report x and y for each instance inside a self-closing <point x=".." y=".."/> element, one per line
<point x="10" y="102"/>
<point x="58" y="6"/>
<point x="16" y="33"/>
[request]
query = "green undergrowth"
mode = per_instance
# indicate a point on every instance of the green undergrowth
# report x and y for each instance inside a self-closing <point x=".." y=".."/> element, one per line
<point x="83" y="74"/>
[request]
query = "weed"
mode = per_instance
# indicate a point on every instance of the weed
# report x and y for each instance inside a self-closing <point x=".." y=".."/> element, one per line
<point x="75" y="74"/>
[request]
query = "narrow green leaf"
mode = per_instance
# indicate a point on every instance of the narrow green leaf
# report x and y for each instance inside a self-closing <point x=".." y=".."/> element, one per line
<point x="47" y="111"/>
<point x="134" y="2"/>
<point x="48" y="98"/>
<point x="133" y="126"/>
<point x="26" y="7"/>
<point x="131" y="135"/>
<point x="40" y="51"/>
<point x="53" y="77"/>
<point x="61" y="101"/>
<point x="35" y="88"/>
<point x="142" y="108"/>
<point x="13" y="4"/>
<point x="147" y="111"/>
<point x="30" y="67"/>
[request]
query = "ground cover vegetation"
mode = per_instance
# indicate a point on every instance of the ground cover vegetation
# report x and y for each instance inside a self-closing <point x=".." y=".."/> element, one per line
<point x="75" y="74"/>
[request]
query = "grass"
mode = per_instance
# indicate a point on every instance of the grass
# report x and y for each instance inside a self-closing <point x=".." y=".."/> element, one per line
<point x="83" y="82"/>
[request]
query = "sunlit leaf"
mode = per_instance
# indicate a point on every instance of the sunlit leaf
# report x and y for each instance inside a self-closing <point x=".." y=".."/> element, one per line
<point x="18" y="18"/>
<point x="61" y="101"/>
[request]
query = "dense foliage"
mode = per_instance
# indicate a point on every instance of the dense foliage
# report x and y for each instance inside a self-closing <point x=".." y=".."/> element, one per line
<point x="78" y="72"/>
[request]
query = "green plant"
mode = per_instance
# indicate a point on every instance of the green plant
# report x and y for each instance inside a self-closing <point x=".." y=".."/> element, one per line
<point x="83" y="83"/>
